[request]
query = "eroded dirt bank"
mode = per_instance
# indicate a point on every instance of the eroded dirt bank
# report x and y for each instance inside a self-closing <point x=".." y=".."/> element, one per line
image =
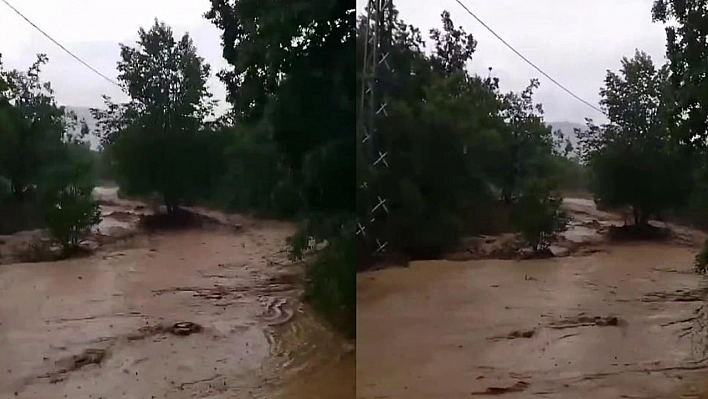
<point x="623" y="321"/>
<point x="104" y="326"/>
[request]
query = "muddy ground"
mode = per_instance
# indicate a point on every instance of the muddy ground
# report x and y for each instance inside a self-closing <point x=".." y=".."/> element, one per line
<point x="618" y="321"/>
<point x="108" y="325"/>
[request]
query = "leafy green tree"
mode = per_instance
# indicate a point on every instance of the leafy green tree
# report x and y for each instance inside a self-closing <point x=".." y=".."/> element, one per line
<point x="444" y="137"/>
<point x="687" y="52"/>
<point x="453" y="47"/>
<point x="441" y="152"/>
<point x="633" y="160"/>
<point x="40" y="155"/>
<point x="33" y="128"/>
<point x="528" y="143"/>
<point x="293" y="68"/>
<point x="153" y="137"/>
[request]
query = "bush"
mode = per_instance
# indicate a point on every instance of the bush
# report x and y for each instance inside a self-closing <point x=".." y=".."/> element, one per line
<point x="538" y="216"/>
<point x="331" y="280"/>
<point x="71" y="212"/>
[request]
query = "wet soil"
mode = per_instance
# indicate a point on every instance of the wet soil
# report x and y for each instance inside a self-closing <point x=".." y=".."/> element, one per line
<point x="622" y="321"/>
<point x="209" y="313"/>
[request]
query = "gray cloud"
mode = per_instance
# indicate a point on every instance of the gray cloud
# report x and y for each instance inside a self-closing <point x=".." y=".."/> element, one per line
<point x="575" y="42"/>
<point x="76" y="85"/>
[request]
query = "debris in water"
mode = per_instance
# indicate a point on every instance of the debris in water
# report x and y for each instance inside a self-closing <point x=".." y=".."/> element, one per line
<point x="516" y="334"/>
<point x="181" y="328"/>
<point x="585" y="321"/>
<point x="696" y="295"/>
<point x="185" y="328"/>
<point x="88" y="356"/>
<point x="520" y="386"/>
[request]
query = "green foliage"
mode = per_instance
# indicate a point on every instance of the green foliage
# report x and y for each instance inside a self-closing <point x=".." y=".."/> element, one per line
<point x="34" y="130"/>
<point x="455" y="143"/>
<point x="36" y="148"/>
<point x="70" y="210"/>
<point x="686" y="50"/>
<point x="527" y="141"/>
<point x="40" y="158"/>
<point x="633" y="159"/>
<point x="331" y="285"/>
<point x="331" y="281"/>
<point x="537" y="214"/>
<point x="440" y="123"/>
<point x="687" y="114"/>
<point x="155" y="139"/>
<point x="241" y="150"/>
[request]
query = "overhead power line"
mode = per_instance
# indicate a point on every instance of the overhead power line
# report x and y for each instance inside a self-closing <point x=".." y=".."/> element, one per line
<point x="60" y="45"/>
<point x="526" y="59"/>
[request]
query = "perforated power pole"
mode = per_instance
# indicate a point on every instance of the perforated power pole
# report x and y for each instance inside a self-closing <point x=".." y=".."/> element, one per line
<point x="376" y="72"/>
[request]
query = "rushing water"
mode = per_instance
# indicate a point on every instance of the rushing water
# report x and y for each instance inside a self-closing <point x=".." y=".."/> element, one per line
<point x="258" y="340"/>
<point x="624" y="322"/>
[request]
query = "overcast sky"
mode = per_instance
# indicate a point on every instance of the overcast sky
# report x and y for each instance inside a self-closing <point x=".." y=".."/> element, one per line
<point x="575" y="41"/>
<point x="92" y="29"/>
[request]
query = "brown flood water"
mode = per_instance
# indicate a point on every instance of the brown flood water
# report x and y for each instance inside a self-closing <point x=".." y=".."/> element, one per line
<point x="626" y="322"/>
<point x="100" y="326"/>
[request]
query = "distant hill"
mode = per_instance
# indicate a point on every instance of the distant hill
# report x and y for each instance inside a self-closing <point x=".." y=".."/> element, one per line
<point x="85" y="114"/>
<point x="568" y="129"/>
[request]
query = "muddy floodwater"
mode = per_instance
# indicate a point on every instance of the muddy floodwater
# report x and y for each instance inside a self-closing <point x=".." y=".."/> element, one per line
<point x="201" y="313"/>
<point x="621" y="321"/>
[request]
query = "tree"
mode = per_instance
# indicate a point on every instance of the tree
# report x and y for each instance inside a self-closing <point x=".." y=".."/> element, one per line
<point x="293" y="68"/>
<point x="441" y="154"/>
<point x="40" y="155"/>
<point x="451" y="138"/>
<point x="290" y="75"/>
<point x="453" y="47"/>
<point x="528" y="143"/>
<point x="153" y="137"/>
<point x="33" y="128"/>
<point x="632" y="158"/>
<point x="687" y="52"/>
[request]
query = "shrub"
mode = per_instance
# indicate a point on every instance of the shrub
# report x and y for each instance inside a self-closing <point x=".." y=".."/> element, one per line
<point x="330" y="274"/>
<point x="71" y="212"/>
<point x="538" y="216"/>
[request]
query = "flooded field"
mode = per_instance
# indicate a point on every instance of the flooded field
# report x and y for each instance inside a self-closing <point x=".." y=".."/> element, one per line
<point x="213" y="312"/>
<point x="621" y="321"/>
